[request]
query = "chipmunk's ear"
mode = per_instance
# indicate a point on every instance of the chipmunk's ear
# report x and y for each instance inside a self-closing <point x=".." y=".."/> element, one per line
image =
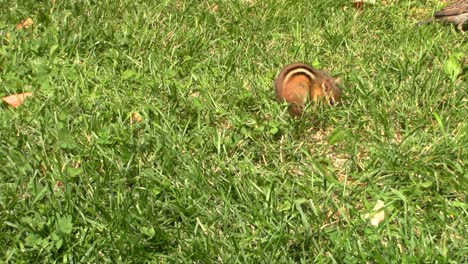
<point x="327" y="86"/>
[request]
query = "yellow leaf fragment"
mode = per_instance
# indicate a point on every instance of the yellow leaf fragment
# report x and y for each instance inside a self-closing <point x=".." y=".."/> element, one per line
<point x="136" y="117"/>
<point x="214" y="8"/>
<point x="16" y="100"/>
<point x="25" y="24"/>
<point x="377" y="215"/>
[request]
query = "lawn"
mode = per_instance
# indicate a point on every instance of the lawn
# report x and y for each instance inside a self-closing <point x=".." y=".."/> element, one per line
<point x="154" y="135"/>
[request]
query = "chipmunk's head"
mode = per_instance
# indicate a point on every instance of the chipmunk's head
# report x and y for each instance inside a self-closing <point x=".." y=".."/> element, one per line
<point x="330" y="91"/>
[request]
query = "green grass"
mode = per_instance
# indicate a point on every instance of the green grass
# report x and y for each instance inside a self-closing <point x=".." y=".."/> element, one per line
<point x="217" y="171"/>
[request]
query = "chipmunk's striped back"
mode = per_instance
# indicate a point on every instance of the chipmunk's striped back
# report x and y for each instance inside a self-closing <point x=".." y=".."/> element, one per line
<point x="299" y="83"/>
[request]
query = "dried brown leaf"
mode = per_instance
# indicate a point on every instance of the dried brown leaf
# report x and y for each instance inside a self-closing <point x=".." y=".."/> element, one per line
<point x="215" y="8"/>
<point x="377" y="215"/>
<point x="25" y="24"/>
<point x="136" y="117"/>
<point x="16" y="100"/>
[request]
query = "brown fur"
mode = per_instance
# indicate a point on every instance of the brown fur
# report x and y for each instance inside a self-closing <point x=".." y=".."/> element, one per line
<point x="300" y="83"/>
<point x="456" y="13"/>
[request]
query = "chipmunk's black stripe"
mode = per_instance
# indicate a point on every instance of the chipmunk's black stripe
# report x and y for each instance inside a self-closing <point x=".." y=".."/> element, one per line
<point x="297" y="71"/>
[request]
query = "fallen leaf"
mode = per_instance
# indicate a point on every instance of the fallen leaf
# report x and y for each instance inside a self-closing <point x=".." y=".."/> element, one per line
<point x="359" y="4"/>
<point x="215" y="8"/>
<point x="136" y="117"/>
<point x="25" y="24"/>
<point x="59" y="186"/>
<point x="43" y="169"/>
<point x="377" y="215"/>
<point x="16" y="100"/>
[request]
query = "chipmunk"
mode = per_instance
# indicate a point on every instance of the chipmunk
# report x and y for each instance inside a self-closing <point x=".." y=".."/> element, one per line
<point x="298" y="83"/>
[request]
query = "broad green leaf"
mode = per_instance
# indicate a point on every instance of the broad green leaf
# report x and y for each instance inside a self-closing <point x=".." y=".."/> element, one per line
<point x="452" y="68"/>
<point x="65" y="224"/>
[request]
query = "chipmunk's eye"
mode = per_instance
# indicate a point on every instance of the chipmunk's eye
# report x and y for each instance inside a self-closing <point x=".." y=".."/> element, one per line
<point x="332" y="102"/>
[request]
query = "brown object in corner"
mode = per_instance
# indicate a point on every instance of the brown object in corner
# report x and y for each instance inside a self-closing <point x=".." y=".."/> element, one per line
<point x="456" y="13"/>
